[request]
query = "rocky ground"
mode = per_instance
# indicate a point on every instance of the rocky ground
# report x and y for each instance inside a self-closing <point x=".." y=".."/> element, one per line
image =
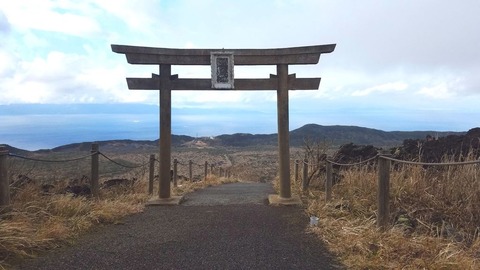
<point x="432" y="149"/>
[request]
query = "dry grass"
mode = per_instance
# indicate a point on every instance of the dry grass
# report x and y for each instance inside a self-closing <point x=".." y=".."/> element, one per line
<point x="435" y="219"/>
<point x="39" y="222"/>
<point x="212" y="180"/>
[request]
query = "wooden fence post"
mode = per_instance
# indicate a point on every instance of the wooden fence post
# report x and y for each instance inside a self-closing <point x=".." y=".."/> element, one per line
<point x="151" y="174"/>
<point x="329" y="181"/>
<point x="295" y="170"/>
<point x="305" y="175"/>
<point x="190" y="174"/>
<point x="94" y="174"/>
<point x="206" y="170"/>
<point x="319" y="166"/>
<point x="211" y="169"/>
<point x="310" y="168"/>
<point x="4" y="183"/>
<point x="383" y="192"/>
<point x="175" y="172"/>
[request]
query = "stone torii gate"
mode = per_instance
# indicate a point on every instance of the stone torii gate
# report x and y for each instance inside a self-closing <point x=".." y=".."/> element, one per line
<point x="222" y="62"/>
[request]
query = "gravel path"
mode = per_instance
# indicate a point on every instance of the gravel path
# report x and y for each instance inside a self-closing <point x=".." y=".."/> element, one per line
<point x="224" y="227"/>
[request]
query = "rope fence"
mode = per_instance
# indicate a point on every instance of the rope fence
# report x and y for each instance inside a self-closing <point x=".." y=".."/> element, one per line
<point x="123" y="165"/>
<point x="49" y="161"/>
<point x="352" y="164"/>
<point x="94" y="174"/>
<point x="432" y="164"/>
<point x="384" y="161"/>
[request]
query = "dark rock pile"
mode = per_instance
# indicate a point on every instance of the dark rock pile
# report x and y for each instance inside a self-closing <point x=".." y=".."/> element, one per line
<point x="431" y="149"/>
<point x="352" y="153"/>
<point x="435" y="150"/>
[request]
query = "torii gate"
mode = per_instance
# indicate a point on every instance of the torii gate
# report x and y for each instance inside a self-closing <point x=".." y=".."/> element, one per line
<point x="222" y="62"/>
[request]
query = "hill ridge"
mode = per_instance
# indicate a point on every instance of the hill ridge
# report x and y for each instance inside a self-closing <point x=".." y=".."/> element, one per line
<point x="335" y="135"/>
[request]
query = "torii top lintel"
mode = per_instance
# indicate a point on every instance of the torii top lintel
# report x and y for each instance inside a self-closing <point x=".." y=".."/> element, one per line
<point x="167" y="57"/>
<point x="158" y="56"/>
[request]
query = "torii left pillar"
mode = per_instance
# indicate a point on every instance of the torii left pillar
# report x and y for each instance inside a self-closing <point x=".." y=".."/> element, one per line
<point x="165" y="142"/>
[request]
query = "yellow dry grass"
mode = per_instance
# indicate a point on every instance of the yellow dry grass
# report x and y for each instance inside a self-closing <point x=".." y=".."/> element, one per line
<point x="211" y="180"/>
<point x="435" y="218"/>
<point x="36" y="222"/>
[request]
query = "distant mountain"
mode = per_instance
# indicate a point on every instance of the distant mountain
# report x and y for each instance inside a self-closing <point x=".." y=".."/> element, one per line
<point x="245" y="139"/>
<point x="15" y="150"/>
<point x="333" y="135"/>
<point x="338" y="135"/>
<point x="126" y="145"/>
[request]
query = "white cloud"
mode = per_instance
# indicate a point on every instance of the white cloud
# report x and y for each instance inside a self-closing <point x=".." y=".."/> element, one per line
<point x="55" y="66"/>
<point x="382" y="88"/>
<point x="49" y="16"/>
<point x="7" y="64"/>
<point x="4" y="24"/>
<point x="34" y="41"/>
<point x="438" y="91"/>
<point x="214" y="99"/>
<point x="31" y="92"/>
<point x="67" y="78"/>
<point x="136" y="14"/>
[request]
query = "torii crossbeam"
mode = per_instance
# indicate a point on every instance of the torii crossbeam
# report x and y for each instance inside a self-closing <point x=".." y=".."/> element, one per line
<point x="222" y="62"/>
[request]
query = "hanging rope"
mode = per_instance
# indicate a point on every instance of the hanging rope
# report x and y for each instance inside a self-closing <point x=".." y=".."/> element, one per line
<point x="123" y="165"/>
<point x="352" y="164"/>
<point x="432" y="164"/>
<point x="51" y="161"/>
<point x="407" y="162"/>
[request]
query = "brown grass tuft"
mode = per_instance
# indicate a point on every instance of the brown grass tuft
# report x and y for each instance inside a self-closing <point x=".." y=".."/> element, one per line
<point x="212" y="180"/>
<point x="434" y="219"/>
<point x="39" y="222"/>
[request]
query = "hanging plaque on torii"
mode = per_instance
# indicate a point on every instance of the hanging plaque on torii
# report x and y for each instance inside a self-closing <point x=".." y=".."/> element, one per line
<point x="222" y="62"/>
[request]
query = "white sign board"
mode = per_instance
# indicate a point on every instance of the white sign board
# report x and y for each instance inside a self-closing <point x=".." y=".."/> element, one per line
<point x="222" y="70"/>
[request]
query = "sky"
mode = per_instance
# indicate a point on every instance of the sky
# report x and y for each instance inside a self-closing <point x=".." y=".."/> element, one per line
<point x="398" y="65"/>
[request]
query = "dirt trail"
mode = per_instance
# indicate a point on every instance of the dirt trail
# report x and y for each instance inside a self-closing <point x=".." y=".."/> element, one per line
<point x="229" y="161"/>
<point x="225" y="227"/>
<point x="230" y="194"/>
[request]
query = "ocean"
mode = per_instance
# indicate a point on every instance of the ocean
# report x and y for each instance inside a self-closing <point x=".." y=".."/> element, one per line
<point x="46" y="131"/>
<point x="33" y="132"/>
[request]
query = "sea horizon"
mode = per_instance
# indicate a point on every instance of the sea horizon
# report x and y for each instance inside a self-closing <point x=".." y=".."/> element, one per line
<point x="41" y="126"/>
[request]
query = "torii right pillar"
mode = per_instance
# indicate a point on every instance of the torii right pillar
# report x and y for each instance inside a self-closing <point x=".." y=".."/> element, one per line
<point x="283" y="131"/>
<point x="285" y="193"/>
